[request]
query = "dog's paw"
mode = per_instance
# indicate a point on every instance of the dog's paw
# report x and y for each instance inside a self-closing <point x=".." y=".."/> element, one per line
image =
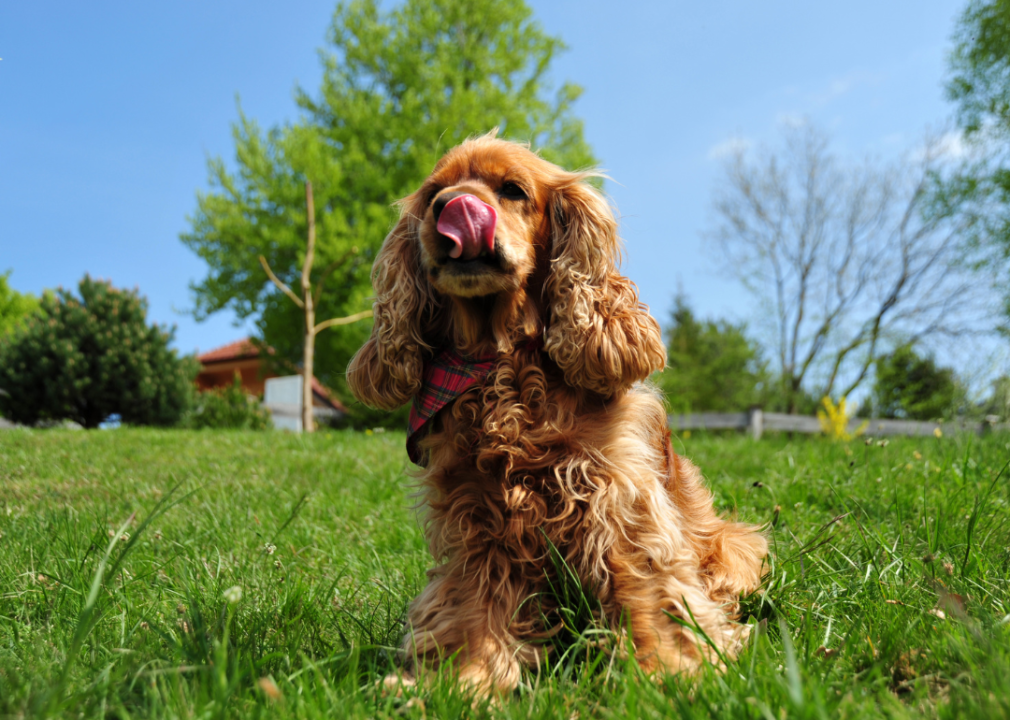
<point x="394" y="684"/>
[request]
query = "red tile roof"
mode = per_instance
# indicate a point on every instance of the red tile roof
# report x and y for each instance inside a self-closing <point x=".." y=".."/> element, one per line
<point x="319" y="389"/>
<point x="237" y="350"/>
<point x="244" y="349"/>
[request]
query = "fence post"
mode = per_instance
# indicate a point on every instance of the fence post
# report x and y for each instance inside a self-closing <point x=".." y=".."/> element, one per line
<point x="755" y="422"/>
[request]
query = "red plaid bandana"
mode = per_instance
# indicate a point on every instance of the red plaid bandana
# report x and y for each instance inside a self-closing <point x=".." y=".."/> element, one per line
<point x="447" y="376"/>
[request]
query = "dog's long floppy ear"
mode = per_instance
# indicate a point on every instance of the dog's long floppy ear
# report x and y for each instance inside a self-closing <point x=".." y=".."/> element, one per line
<point x="598" y="333"/>
<point x="387" y="371"/>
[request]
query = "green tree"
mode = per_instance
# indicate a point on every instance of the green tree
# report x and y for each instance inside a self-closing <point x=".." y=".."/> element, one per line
<point x="979" y="86"/>
<point x="400" y="87"/>
<point x="711" y="365"/>
<point x="15" y="307"/>
<point x="88" y="358"/>
<point x="911" y="386"/>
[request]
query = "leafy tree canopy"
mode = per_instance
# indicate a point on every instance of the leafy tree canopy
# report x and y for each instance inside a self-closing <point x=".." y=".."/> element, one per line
<point x="980" y="66"/>
<point x="88" y="358"/>
<point x="15" y="307"/>
<point x="400" y="87"/>
<point x="979" y="85"/>
<point x="711" y="365"/>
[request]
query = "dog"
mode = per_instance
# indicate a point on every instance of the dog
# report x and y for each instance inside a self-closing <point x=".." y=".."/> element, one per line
<point x="501" y="314"/>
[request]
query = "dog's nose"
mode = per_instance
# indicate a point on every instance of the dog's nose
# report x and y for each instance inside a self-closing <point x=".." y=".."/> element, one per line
<point x="441" y="201"/>
<point x="468" y="222"/>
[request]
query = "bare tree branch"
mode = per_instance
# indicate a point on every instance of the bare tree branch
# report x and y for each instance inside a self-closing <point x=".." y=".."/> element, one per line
<point x="344" y="320"/>
<point x="284" y="288"/>
<point x="844" y="260"/>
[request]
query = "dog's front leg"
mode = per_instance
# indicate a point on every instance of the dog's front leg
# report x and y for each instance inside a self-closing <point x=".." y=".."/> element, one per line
<point x="463" y="617"/>
<point x="730" y="554"/>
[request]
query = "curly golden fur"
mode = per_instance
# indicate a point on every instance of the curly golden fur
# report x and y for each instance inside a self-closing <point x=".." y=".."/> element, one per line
<point x="560" y="441"/>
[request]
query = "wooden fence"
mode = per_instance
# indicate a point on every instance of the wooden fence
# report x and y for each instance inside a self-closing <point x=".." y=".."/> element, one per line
<point x="756" y="422"/>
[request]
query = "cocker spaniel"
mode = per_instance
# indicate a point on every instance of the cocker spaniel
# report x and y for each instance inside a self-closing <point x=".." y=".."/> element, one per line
<point x="500" y="312"/>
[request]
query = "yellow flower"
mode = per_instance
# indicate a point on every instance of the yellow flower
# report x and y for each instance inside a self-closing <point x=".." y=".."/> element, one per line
<point x="938" y="432"/>
<point x="835" y="421"/>
<point x="686" y="434"/>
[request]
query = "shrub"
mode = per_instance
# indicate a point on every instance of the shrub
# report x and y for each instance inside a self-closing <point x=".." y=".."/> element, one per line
<point x="998" y="403"/>
<point x="228" y="407"/>
<point x="86" y="359"/>
<point x="911" y="386"/>
<point x="711" y="365"/>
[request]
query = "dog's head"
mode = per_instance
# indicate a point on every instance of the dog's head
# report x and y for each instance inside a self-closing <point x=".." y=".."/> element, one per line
<point x="497" y="247"/>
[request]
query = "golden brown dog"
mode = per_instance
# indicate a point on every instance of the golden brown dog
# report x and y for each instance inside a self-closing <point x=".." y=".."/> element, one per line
<point x="499" y="286"/>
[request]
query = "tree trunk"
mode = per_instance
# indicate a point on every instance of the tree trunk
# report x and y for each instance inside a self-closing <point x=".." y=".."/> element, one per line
<point x="308" y="423"/>
<point x="794" y="391"/>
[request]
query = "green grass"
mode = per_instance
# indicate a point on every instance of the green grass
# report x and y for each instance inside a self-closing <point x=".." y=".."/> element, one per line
<point x="117" y="549"/>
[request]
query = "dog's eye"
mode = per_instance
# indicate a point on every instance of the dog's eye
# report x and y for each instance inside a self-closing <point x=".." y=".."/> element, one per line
<point x="511" y="191"/>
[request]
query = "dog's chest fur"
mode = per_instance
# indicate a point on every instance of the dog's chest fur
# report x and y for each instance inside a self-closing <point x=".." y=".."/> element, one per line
<point x="518" y="461"/>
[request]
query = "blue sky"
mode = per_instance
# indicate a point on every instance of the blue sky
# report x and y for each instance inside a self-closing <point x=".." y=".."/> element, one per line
<point x="109" y="111"/>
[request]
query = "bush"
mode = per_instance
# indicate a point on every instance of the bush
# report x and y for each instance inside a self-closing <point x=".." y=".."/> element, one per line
<point x="911" y="386"/>
<point x="90" y="358"/>
<point x="711" y="365"/>
<point x="228" y="407"/>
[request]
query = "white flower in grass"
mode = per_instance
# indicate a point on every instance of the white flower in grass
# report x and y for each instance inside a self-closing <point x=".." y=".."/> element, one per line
<point x="232" y="595"/>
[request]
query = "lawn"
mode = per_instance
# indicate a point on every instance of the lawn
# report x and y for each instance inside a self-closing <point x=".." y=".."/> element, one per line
<point x="121" y="552"/>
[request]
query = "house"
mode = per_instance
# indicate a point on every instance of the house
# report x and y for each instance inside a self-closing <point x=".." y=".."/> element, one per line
<point x="218" y="368"/>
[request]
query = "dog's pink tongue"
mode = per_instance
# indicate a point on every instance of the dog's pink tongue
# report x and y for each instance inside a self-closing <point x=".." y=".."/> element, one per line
<point x="469" y="222"/>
